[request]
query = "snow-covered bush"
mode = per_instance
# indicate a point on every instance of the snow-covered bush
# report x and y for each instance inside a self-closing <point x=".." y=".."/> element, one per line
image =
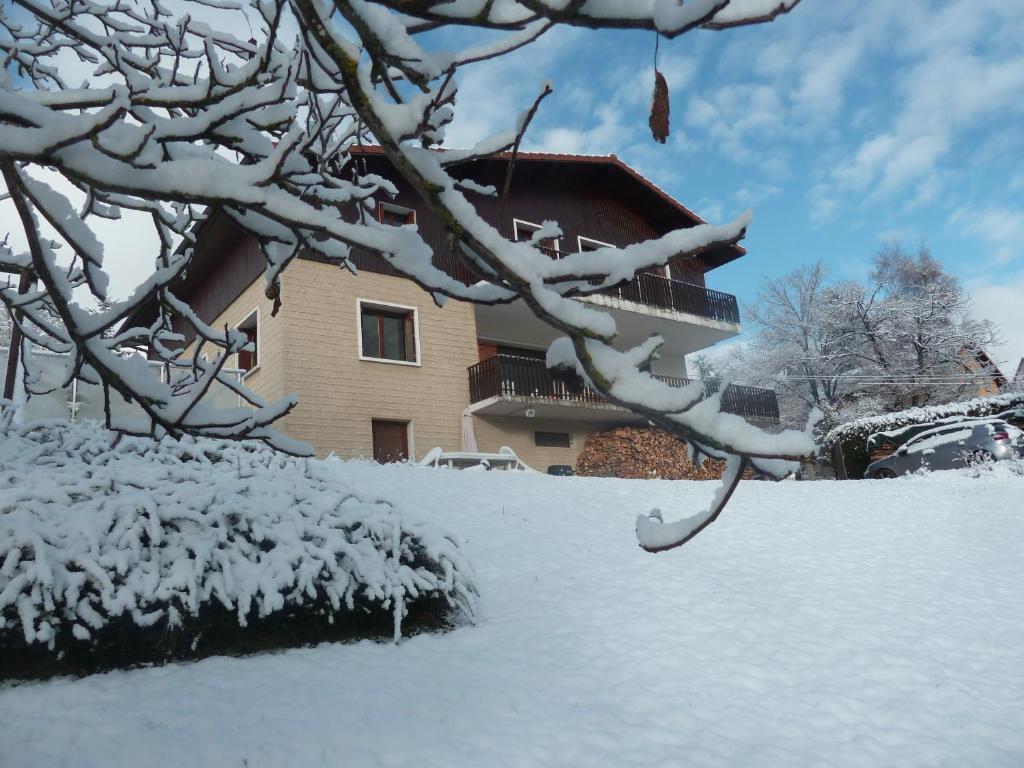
<point x="115" y="552"/>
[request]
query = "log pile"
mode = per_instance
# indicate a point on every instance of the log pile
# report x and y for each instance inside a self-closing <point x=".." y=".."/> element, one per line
<point x="642" y="453"/>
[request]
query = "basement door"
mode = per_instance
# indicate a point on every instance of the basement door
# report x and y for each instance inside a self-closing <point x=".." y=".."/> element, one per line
<point x="390" y="441"/>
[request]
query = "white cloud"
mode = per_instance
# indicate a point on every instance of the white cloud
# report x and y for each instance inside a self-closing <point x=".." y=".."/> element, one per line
<point x="734" y="116"/>
<point x="755" y="193"/>
<point x="1001" y="303"/>
<point x="898" y="235"/>
<point x="492" y="93"/>
<point x="956" y="80"/>
<point x="709" y="210"/>
<point x="823" y="204"/>
<point x="996" y="225"/>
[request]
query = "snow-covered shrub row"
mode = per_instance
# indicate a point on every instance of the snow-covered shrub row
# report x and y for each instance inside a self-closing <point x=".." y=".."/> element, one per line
<point x="102" y="537"/>
<point x="979" y="406"/>
<point x="853" y="435"/>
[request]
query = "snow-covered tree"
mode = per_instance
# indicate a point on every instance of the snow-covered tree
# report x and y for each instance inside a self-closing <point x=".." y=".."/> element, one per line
<point x="795" y="348"/>
<point x="903" y="337"/>
<point x="159" y="107"/>
<point x="909" y="330"/>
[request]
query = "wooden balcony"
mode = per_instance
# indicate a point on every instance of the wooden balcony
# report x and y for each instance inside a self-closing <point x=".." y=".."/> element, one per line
<point x="665" y="293"/>
<point x="511" y="376"/>
<point x="654" y="290"/>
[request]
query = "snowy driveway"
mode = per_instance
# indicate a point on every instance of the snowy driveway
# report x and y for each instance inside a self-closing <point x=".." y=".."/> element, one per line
<point x="847" y="624"/>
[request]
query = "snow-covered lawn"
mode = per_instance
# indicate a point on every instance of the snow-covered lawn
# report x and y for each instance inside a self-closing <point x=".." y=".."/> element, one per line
<point x="874" y="623"/>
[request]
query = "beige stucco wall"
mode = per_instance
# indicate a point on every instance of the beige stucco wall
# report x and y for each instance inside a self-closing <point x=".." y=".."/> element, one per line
<point x="339" y="394"/>
<point x="311" y="349"/>
<point x="492" y="432"/>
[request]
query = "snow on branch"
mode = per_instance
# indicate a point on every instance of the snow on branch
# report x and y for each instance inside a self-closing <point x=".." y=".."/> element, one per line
<point x="180" y="117"/>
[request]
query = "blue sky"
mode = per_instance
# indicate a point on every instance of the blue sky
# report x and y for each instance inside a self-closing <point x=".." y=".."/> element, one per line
<point x="842" y="125"/>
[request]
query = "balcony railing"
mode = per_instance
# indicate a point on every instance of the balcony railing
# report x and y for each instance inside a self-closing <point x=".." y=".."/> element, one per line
<point x="649" y="289"/>
<point x="654" y="290"/>
<point x="514" y="376"/>
<point x="663" y="292"/>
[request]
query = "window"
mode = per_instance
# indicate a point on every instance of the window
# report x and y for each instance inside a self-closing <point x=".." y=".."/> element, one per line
<point x="523" y="230"/>
<point x="395" y="215"/>
<point x="388" y="332"/>
<point x="551" y="439"/>
<point x="587" y="244"/>
<point x="249" y="360"/>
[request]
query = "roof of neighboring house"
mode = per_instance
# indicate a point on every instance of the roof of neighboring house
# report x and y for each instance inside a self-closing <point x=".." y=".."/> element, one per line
<point x="1018" y="378"/>
<point x="989" y="365"/>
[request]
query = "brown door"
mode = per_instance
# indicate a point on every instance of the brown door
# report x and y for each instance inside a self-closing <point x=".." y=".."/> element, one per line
<point x="486" y="351"/>
<point x="390" y="441"/>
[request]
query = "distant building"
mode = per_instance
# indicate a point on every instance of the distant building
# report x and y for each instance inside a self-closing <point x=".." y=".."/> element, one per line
<point x="989" y="379"/>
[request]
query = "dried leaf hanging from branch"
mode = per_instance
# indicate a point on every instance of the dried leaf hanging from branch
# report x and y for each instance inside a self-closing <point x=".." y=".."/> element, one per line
<point x="659" y="108"/>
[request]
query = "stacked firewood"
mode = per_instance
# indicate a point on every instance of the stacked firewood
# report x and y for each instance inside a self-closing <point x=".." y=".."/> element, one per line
<point x="642" y="453"/>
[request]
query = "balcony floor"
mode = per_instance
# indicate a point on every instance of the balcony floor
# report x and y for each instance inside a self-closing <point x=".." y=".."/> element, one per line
<point x="515" y="406"/>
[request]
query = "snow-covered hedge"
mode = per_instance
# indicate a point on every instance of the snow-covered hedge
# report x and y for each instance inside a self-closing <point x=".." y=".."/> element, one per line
<point x="853" y="435"/>
<point x="115" y="552"/>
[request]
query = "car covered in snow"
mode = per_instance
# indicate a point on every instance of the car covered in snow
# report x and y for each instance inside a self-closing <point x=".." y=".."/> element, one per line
<point x="951" y="446"/>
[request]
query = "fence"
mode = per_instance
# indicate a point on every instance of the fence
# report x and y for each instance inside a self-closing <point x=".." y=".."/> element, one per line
<point x="510" y="375"/>
<point x="81" y="401"/>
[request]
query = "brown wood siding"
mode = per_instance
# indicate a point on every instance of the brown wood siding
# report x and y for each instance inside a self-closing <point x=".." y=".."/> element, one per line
<point x="232" y="273"/>
<point x="585" y="200"/>
<point x="229" y="260"/>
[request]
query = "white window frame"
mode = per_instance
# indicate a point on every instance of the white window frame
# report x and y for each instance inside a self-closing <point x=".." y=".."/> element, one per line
<point x="385" y="206"/>
<point x="259" y="340"/>
<point x="387" y="306"/>
<point x="580" y="240"/>
<point x="533" y="228"/>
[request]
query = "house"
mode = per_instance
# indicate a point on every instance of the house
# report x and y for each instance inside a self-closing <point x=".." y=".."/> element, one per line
<point x="987" y="378"/>
<point x="382" y="372"/>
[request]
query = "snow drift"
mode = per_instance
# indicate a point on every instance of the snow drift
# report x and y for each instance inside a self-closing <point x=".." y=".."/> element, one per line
<point x="123" y="551"/>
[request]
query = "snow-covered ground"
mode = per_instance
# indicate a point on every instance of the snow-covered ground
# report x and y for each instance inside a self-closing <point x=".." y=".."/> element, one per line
<point x="873" y="623"/>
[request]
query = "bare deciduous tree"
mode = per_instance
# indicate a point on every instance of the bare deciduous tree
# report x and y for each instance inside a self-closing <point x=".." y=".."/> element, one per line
<point x="904" y="337"/>
<point x="180" y="116"/>
<point x="795" y="348"/>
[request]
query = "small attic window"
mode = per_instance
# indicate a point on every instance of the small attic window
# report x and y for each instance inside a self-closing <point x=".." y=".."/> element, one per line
<point x="524" y="230"/>
<point x="589" y="244"/>
<point x="395" y="215"/>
